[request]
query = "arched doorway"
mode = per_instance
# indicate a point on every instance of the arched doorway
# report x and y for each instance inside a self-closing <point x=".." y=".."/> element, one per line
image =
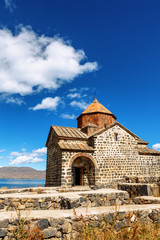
<point x="83" y="171"/>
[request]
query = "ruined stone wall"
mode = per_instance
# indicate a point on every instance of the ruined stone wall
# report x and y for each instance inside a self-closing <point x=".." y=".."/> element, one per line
<point x="53" y="169"/>
<point x="120" y="158"/>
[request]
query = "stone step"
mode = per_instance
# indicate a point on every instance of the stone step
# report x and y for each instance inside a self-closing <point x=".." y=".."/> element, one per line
<point x="146" y="200"/>
<point x="62" y="200"/>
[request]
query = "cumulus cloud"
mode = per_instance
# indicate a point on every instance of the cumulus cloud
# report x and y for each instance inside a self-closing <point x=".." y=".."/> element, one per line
<point x="9" y="4"/>
<point x="48" y="104"/>
<point x="30" y="63"/>
<point x="68" y="116"/>
<point x="156" y="146"/>
<point x="81" y="105"/>
<point x="27" y="157"/>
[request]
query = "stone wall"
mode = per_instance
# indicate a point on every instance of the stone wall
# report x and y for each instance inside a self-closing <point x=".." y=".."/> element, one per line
<point x="63" y="202"/>
<point x="149" y="165"/>
<point x="53" y="169"/>
<point x="114" y="158"/>
<point x="117" y="159"/>
<point x="69" y="228"/>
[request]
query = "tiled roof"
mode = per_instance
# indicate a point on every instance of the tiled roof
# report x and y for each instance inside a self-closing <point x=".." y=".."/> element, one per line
<point x="141" y="141"/>
<point x="69" y="132"/>
<point x="148" y="151"/>
<point x="95" y="106"/>
<point x="75" y="146"/>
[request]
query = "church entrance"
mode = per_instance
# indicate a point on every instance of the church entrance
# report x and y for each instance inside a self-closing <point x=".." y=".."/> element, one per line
<point x="83" y="172"/>
<point x="78" y="179"/>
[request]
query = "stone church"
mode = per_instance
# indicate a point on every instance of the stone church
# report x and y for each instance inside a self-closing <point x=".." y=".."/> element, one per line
<point x="98" y="152"/>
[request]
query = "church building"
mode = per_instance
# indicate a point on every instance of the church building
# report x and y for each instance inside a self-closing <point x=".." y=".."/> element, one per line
<point x="98" y="152"/>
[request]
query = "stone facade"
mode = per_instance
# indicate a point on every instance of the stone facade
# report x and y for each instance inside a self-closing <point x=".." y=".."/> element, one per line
<point x="104" y="155"/>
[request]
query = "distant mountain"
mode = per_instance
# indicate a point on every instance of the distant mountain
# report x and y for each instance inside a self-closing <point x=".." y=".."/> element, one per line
<point x="21" y="172"/>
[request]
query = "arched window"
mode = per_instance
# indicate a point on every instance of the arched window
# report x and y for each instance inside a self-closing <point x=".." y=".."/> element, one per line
<point x="116" y="136"/>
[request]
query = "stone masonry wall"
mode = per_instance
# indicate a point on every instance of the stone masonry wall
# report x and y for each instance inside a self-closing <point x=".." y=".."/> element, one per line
<point x="53" y="170"/>
<point x="69" y="228"/>
<point x="150" y="165"/>
<point x="116" y="159"/>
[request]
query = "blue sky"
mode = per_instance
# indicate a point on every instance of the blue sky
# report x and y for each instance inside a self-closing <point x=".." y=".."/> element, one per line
<point x="54" y="54"/>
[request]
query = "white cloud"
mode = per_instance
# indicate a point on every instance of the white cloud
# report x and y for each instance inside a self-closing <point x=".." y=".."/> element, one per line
<point x="81" y="105"/>
<point x="156" y="146"/>
<point x="13" y="100"/>
<point x="68" y="116"/>
<point x="9" y="4"/>
<point x="48" y="103"/>
<point x="41" y="150"/>
<point x="74" y="95"/>
<point x="2" y="150"/>
<point x="15" y="154"/>
<point x="30" y="63"/>
<point x="72" y="89"/>
<point x="26" y="157"/>
<point x="1" y="157"/>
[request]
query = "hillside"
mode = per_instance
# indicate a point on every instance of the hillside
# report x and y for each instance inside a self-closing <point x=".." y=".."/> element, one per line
<point x="21" y="172"/>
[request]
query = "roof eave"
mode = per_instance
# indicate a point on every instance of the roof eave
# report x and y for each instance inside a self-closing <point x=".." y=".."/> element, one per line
<point x="77" y="150"/>
<point x="151" y="154"/>
<point x="71" y="138"/>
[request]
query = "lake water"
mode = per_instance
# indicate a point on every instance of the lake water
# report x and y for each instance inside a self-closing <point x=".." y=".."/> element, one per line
<point x="21" y="183"/>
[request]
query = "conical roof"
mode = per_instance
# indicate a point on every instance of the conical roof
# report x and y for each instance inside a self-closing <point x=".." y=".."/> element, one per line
<point x="95" y="106"/>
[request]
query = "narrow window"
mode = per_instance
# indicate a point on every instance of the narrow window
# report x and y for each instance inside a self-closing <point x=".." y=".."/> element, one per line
<point x="105" y="125"/>
<point x="116" y="137"/>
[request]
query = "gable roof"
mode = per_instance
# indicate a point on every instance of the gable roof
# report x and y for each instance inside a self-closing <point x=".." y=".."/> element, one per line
<point x="67" y="133"/>
<point x="96" y="107"/>
<point x="112" y="125"/>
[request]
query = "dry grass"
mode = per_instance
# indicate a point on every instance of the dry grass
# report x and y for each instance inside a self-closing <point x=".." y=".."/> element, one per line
<point x="24" y="231"/>
<point x="137" y="230"/>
